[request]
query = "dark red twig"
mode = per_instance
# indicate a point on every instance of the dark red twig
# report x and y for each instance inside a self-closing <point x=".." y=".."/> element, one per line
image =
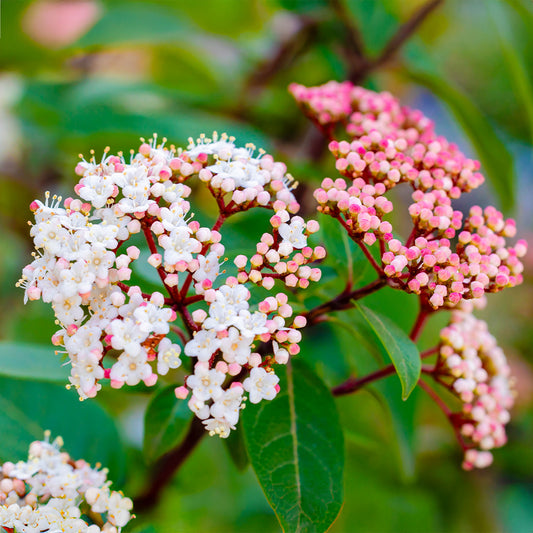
<point x="354" y="384"/>
<point x="168" y="465"/>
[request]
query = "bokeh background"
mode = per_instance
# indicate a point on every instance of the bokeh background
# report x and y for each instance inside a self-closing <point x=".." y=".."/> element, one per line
<point x="83" y="74"/>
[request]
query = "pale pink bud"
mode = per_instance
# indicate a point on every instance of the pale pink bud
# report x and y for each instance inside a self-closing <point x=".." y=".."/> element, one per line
<point x="222" y="366"/>
<point x="151" y="380"/>
<point x="263" y="198"/>
<point x="155" y="260"/>
<point x="255" y="276"/>
<point x="268" y="282"/>
<point x="291" y="280"/>
<point x="172" y="280"/>
<point x="319" y="252"/>
<point x="282" y="298"/>
<point x="255" y="360"/>
<point x="234" y="369"/>
<point x="181" y="392"/>
<point x="157" y="228"/>
<point x="134" y="226"/>
<point x="210" y="295"/>
<point x="186" y="169"/>
<point x="242" y="277"/>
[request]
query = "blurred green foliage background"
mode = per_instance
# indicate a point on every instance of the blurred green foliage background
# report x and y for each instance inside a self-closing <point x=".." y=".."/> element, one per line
<point x="82" y="74"/>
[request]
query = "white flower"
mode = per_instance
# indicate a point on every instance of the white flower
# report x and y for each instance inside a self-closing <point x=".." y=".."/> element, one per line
<point x="118" y="508"/>
<point x="173" y="217"/>
<point x="209" y="267"/>
<point x="86" y="370"/>
<point x="206" y="384"/>
<point x="78" y="279"/>
<point x="293" y="233"/>
<point x="237" y="296"/>
<point x="99" y="260"/>
<point x="244" y="172"/>
<point x="104" y="234"/>
<point x="151" y="318"/>
<point x="203" y="345"/>
<point x="68" y="309"/>
<point x="84" y="340"/>
<point x="221" y="315"/>
<point x="219" y="427"/>
<point x="50" y="235"/>
<point x="236" y="348"/>
<point x="97" y="189"/>
<point x="168" y="356"/>
<point x="131" y="369"/>
<point x="261" y="384"/>
<point x="228" y="406"/>
<point x="127" y="336"/>
<point x="198" y="407"/>
<point x="251" y="324"/>
<point x="179" y="245"/>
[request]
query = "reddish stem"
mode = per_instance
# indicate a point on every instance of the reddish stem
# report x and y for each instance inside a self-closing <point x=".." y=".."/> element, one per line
<point x="344" y="300"/>
<point x="370" y="257"/>
<point x="429" y="352"/>
<point x="446" y="410"/>
<point x="169" y="464"/>
<point x="419" y="324"/>
<point x="354" y="384"/>
<point x="436" y="398"/>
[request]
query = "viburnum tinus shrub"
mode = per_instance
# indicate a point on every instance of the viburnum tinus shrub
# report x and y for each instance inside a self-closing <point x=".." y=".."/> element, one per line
<point x="224" y="334"/>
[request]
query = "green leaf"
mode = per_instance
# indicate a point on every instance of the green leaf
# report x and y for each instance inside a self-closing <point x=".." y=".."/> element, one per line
<point x="295" y="445"/>
<point x="136" y="23"/>
<point x="518" y="73"/>
<point x="343" y="254"/>
<point x="496" y="159"/>
<point x="31" y="361"/>
<point x="27" y="409"/>
<point x="364" y="352"/>
<point x="399" y="347"/>
<point x="237" y="449"/>
<point x="402" y="420"/>
<point x="165" y="422"/>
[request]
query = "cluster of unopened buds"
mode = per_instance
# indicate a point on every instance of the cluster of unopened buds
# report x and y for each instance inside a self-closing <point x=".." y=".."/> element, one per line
<point x="50" y="492"/>
<point x="112" y="330"/>
<point x="448" y="260"/>
<point x="472" y="366"/>
<point x="392" y="144"/>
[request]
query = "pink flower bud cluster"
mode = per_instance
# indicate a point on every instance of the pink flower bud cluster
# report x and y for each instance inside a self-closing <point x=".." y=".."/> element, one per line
<point x="359" y="110"/>
<point x="50" y="492"/>
<point x="477" y="372"/>
<point x="360" y="207"/>
<point x="111" y="329"/>
<point x="275" y="257"/>
<point x="392" y="145"/>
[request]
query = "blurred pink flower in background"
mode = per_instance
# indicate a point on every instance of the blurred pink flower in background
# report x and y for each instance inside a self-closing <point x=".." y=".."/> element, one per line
<point x="58" y="23"/>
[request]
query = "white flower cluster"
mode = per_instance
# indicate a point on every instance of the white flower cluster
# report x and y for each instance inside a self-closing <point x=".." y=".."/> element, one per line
<point x="230" y="334"/>
<point x="481" y="378"/>
<point x="112" y="330"/>
<point x="50" y="492"/>
<point x="235" y="170"/>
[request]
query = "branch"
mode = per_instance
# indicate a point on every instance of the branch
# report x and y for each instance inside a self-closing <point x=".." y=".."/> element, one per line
<point x="354" y="384"/>
<point x="168" y="465"/>
<point x="344" y="300"/>
<point x="404" y="32"/>
<point x="420" y="322"/>
<point x="354" y="40"/>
